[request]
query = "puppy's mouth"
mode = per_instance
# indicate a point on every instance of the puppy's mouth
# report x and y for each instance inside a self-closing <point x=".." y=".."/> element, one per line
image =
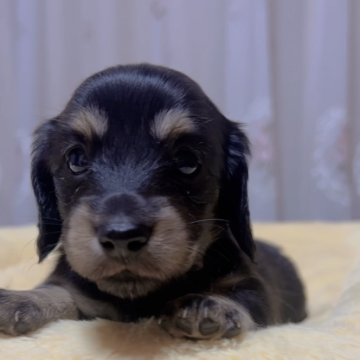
<point x="129" y="285"/>
<point x="129" y="277"/>
<point x="126" y="275"/>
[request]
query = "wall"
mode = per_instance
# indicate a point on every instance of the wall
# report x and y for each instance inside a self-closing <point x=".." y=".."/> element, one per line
<point x="289" y="70"/>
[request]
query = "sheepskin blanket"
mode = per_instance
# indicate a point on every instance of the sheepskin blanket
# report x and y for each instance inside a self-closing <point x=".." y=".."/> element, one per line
<point x="327" y="256"/>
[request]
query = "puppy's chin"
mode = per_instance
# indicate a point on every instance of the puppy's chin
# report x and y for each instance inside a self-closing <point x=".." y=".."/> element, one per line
<point x="168" y="254"/>
<point x="129" y="286"/>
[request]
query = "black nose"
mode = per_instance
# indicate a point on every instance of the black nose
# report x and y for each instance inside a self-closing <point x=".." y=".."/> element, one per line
<point x="124" y="237"/>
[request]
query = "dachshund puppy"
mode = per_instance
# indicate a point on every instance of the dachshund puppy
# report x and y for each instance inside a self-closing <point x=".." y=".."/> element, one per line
<point x="141" y="185"/>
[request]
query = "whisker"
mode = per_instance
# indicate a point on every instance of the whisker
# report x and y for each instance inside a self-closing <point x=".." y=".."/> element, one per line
<point x="49" y="218"/>
<point x="203" y="220"/>
<point x="197" y="251"/>
<point x="51" y="223"/>
<point x="22" y="251"/>
<point x="52" y="232"/>
<point x="217" y="229"/>
<point x="196" y="201"/>
<point x="217" y="252"/>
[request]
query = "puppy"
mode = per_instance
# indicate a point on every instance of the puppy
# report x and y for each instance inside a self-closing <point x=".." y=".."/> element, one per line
<point x="141" y="185"/>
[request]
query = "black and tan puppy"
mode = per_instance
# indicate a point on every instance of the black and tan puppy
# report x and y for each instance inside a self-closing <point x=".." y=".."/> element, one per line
<point x="142" y="184"/>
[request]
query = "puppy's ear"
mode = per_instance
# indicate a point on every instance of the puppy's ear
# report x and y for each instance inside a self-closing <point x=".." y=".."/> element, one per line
<point x="49" y="222"/>
<point x="233" y="198"/>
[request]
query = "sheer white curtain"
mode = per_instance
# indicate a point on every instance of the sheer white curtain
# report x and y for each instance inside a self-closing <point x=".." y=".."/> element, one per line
<point x="288" y="69"/>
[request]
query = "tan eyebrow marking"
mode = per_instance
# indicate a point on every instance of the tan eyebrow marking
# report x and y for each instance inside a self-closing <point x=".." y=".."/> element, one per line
<point x="171" y="123"/>
<point x="90" y="122"/>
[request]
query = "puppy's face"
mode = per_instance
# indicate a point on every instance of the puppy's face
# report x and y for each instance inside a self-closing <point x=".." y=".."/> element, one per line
<point x="136" y="162"/>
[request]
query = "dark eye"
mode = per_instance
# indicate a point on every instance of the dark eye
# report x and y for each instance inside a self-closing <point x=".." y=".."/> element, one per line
<point x="77" y="161"/>
<point x="187" y="162"/>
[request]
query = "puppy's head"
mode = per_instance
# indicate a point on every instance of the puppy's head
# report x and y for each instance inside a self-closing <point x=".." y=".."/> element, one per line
<point x="132" y="176"/>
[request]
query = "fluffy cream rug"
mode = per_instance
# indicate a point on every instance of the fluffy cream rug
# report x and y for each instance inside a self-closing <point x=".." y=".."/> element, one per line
<point x="328" y="258"/>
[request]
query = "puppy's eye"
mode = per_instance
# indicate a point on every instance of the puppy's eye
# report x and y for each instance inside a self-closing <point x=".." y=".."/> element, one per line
<point x="77" y="161"/>
<point x="187" y="162"/>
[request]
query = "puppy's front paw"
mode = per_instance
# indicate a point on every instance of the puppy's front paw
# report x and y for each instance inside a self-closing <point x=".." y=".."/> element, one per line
<point x="19" y="313"/>
<point x="205" y="317"/>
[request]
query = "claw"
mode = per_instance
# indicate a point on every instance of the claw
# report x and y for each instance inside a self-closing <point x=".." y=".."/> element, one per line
<point x="184" y="314"/>
<point x="208" y="327"/>
<point x="17" y="316"/>
<point x="206" y="313"/>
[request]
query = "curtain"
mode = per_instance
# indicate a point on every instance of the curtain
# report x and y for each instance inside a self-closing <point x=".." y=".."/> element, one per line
<point x="289" y="70"/>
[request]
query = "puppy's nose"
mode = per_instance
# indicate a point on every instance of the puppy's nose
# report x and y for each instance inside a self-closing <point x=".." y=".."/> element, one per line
<point x="124" y="237"/>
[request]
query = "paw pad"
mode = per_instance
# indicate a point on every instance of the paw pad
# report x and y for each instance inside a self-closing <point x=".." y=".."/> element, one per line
<point x="208" y="327"/>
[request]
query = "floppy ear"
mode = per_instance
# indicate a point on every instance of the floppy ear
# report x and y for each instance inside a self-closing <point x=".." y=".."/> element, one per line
<point x="49" y="222"/>
<point x="233" y="198"/>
